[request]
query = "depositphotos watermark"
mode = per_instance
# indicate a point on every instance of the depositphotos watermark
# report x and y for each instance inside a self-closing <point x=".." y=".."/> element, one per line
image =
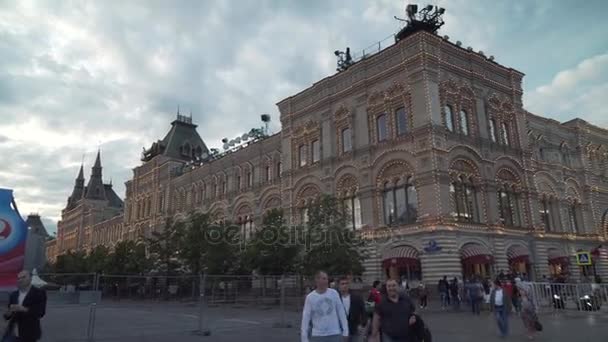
<point x="295" y="236"/>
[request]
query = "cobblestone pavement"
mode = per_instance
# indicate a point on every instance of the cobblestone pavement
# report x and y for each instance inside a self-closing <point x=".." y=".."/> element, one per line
<point x="136" y="322"/>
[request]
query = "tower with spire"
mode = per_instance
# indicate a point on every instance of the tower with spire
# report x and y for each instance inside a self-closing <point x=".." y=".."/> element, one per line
<point x="78" y="191"/>
<point x="95" y="189"/>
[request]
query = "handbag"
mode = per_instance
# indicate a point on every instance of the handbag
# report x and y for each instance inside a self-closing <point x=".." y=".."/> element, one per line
<point x="538" y="326"/>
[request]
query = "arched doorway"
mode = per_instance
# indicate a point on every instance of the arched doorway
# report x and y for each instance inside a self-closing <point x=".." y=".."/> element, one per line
<point x="558" y="263"/>
<point x="519" y="259"/>
<point x="402" y="262"/>
<point x="477" y="260"/>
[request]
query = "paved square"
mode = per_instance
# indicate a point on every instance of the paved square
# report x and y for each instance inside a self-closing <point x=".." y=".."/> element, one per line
<point x="156" y="322"/>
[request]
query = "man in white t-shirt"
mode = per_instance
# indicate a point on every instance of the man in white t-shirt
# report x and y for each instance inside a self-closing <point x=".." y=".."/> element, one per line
<point x="325" y="311"/>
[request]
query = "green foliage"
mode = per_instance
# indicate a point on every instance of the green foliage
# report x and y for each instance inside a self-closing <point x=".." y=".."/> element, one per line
<point x="128" y="257"/>
<point x="330" y="244"/>
<point x="273" y="249"/>
<point x="164" y="247"/>
<point x="97" y="260"/>
<point x="222" y="249"/>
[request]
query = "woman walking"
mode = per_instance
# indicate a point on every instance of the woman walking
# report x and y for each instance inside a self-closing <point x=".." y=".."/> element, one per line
<point x="528" y="311"/>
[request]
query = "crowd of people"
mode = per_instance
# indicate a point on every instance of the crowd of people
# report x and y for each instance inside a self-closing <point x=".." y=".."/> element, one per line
<point x="388" y="314"/>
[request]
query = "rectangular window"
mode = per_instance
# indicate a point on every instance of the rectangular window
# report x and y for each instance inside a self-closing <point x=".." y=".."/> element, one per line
<point x="302" y="155"/>
<point x="544" y="214"/>
<point x="401" y="119"/>
<point x="505" y="134"/>
<point x="464" y="122"/>
<point x="347" y="145"/>
<point x="401" y="204"/>
<point x="389" y="207"/>
<point x="382" y="128"/>
<point x="316" y="151"/>
<point x="357" y="212"/>
<point x="492" y="130"/>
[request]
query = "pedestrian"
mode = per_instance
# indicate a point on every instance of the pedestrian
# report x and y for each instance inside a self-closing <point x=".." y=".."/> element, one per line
<point x="391" y="316"/>
<point x="455" y="294"/>
<point x="500" y="302"/>
<point x="354" y="308"/>
<point x="26" y="306"/>
<point x="475" y="294"/>
<point x="423" y="294"/>
<point x="324" y="310"/>
<point x="516" y="297"/>
<point x="442" y="288"/>
<point x="374" y="293"/>
<point x="528" y="310"/>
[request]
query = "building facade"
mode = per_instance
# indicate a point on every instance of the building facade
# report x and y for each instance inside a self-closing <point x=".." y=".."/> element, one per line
<point x="430" y="147"/>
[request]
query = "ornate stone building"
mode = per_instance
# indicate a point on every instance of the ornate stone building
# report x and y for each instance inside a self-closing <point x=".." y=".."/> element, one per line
<point x="429" y="146"/>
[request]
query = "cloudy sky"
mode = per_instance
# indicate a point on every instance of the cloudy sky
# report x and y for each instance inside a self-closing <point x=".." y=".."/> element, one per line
<point x="76" y="75"/>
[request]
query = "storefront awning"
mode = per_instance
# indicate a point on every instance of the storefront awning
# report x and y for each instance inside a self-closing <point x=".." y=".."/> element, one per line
<point x="476" y="254"/>
<point x="400" y="256"/>
<point x="557" y="258"/>
<point x="518" y="253"/>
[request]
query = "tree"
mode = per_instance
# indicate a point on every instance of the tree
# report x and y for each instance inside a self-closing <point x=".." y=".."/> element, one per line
<point x="221" y="250"/>
<point x="128" y="257"/>
<point x="98" y="259"/>
<point x="273" y="249"/>
<point x="164" y="247"/>
<point x="193" y="241"/>
<point x="330" y="244"/>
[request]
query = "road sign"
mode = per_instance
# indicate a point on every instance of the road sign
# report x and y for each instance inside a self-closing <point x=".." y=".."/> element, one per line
<point x="583" y="258"/>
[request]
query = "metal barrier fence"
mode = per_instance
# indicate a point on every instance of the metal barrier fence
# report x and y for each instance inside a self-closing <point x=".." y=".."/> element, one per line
<point x="551" y="297"/>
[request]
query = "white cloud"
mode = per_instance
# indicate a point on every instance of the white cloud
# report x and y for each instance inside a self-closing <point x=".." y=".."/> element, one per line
<point x="576" y="92"/>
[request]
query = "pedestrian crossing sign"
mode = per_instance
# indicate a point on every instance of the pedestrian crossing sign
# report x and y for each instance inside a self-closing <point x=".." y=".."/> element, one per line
<point x="583" y="258"/>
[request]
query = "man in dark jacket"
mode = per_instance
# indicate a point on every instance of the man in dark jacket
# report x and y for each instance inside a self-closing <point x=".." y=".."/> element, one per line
<point x="354" y="308"/>
<point x="26" y="307"/>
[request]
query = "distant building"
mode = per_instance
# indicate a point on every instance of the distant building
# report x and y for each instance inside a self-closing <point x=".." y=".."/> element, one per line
<point x="35" y="247"/>
<point x="429" y="147"/>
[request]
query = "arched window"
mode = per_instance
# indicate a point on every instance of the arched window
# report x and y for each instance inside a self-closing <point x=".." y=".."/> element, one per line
<point x="464" y="122"/>
<point x="279" y="169"/>
<point x="237" y="183"/>
<point x="400" y="203"/>
<point x="267" y="174"/>
<point x="382" y="127"/>
<point x="465" y="200"/>
<point x="449" y="118"/>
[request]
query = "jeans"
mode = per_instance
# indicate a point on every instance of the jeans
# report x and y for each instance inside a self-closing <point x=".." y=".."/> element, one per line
<point x="423" y="301"/>
<point x="502" y="319"/>
<point x="476" y="305"/>
<point x="445" y="299"/>
<point x="332" y="338"/>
